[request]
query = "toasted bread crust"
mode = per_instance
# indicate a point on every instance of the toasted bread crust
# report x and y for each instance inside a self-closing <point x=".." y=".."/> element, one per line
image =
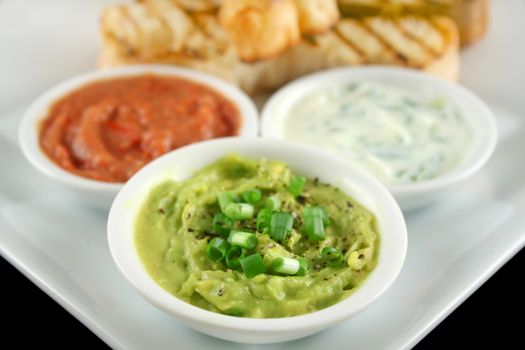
<point x="316" y="16"/>
<point x="197" y="5"/>
<point x="472" y="18"/>
<point x="260" y="29"/>
<point x="446" y="64"/>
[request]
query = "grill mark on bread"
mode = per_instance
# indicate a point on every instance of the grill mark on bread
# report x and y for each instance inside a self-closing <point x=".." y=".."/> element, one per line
<point x="351" y="45"/>
<point x="372" y="47"/>
<point x="443" y="26"/>
<point x="334" y="50"/>
<point x="125" y="28"/>
<point x="131" y="18"/>
<point x="406" y="34"/>
<point x="422" y="30"/>
<point x="132" y="51"/>
<point x="347" y="51"/>
<point x="153" y="10"/>
<point x="416" y="55"/>
<point x="400" y="57"/>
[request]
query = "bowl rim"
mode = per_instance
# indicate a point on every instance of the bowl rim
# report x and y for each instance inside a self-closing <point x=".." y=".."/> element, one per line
<point x="28" y="130"/>
<point x="393" y="232"/>
<point x="484" y="119"/>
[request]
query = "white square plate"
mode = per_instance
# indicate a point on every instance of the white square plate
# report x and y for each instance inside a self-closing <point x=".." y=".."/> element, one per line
<point x="454" y="246"/>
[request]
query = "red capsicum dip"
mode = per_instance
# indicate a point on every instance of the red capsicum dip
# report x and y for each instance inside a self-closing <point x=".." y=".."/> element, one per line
<point x="108" y="130"/>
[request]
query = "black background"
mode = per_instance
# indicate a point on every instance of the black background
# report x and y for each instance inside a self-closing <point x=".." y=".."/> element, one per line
<point x="492" y="315"/>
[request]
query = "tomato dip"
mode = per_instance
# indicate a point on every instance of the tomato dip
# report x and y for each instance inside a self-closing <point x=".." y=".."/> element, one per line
<point x="109" y="129"/>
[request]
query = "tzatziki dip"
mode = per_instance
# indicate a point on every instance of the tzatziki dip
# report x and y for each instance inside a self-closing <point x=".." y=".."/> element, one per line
<point x="401" y="136"/>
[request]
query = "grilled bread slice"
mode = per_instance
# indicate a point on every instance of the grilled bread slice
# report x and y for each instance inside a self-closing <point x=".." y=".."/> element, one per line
<point x="471" y="16"/>
<point x="158" y="34"/>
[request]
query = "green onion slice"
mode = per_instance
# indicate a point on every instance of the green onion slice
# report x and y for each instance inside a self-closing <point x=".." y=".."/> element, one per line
<point x="313" y="223"/>
<point x="242" y="239"/>
<point x="217" y="248"/>
<point x="234" y="256"/>
<point x="332" y="256"/>
<point x="225" y="198"/>
<point x="222" y="224"/>
<point x="287" y="266"/>
<point x="252" y="196"/>
<point x="281" y="224"/>
<point x="238" y="211"/>
<point x="272" y="203"/>
<point x="303" y="267"/>
<point x="314" y="211"/>
<point x="296" y="185"/>
<point x="326" y="218"/>
<point x="263" y="219"/>
<point x="253" y="265"/>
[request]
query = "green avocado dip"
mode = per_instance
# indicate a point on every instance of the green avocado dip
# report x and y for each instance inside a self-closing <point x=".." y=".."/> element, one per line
<point x="248" y="237"/>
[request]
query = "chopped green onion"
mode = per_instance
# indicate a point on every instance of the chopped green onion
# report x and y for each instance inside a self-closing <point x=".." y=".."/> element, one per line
<point x="253" y="265"/>
<point x="296" y="185"/>
<point x="242" y="239"/>
<point x="252" y="196"/>
<point x="303" y="267"/>
<point x="281" y="224"/>
<point x="332" y="256"/>
<point x="326" y="218"/>
<point x="225" y="198"/>
<point x="272" y="203"/>
<point x="238" y="211"/>
<point x="288" y="266"/>
<point x="314" y="228"/>
<point x="234" y="256"/>
<point x="263" y="219"/>
<point x="222" y="224"/>
<point x="217" y="248"/>
<point x="313" y="223"/>
<point x="314" y="211"/>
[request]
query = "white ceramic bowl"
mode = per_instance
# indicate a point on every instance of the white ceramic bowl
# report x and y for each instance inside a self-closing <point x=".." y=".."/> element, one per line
<point x="303" y="159"/>
<point x="475" y="111"/>
<point x="99" y="193"/>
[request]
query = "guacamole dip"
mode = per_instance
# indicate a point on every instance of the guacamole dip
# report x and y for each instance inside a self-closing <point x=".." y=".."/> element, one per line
<point x="248" y="237"/>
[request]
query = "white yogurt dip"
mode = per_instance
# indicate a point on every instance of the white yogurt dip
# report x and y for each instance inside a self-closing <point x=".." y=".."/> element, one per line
<point x="401" y="136"/>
